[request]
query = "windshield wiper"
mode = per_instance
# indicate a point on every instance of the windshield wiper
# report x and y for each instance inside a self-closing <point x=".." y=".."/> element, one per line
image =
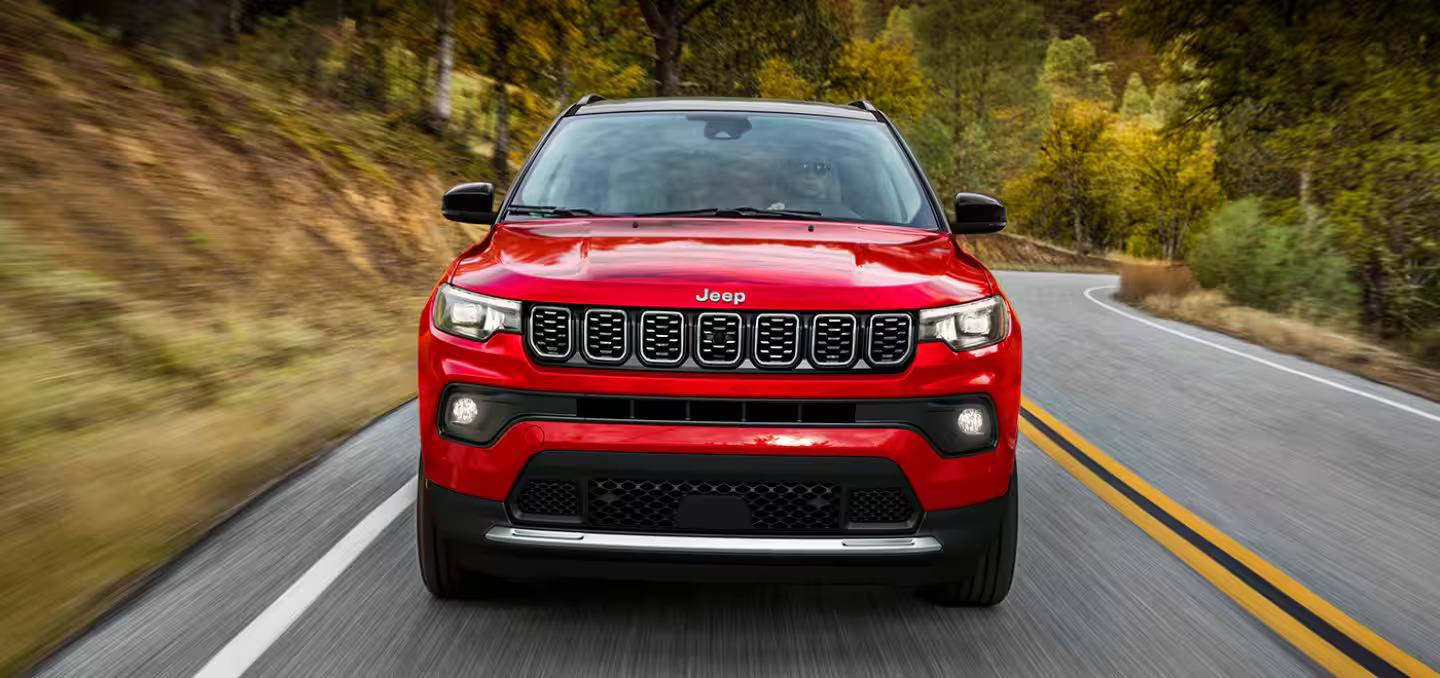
<point x="734" y="212"/>
<point x="549" y="210"/>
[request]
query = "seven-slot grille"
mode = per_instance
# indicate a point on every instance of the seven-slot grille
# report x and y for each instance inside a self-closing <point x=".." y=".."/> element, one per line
<point x="889" y="338"/>
<point x="714" y="340"/>
<point x="832" y="340"/>
<point x="777" y="339"/>
<point x="717" y="338"/>
<point x="605" y="335"/>
<point x="662" y="337"/>
<point x="550" y="332"/>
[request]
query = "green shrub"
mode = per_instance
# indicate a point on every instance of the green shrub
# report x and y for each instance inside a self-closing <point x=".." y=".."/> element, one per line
<point x="1426" y="344"/>
<point x="1273" y="266"/>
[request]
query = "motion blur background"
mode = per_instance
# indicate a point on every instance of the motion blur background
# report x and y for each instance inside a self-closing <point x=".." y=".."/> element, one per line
<point x="218" y="217"/>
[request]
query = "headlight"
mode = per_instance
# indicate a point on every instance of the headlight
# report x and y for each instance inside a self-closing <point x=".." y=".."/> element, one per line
<point x="474" y="316"/>
<point x="965" y="327"/>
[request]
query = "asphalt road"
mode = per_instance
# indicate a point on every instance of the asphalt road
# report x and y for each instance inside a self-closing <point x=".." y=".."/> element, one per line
<point x="1337" y="490"/>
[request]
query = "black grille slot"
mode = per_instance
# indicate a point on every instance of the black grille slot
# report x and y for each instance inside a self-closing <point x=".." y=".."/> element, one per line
<point x="660" y="410"/>
<point x="772" y="412"/>
<point x="662" y="337"/>
<point x="832" y="340"/>
<point x="879" y="505"/>
<point x="718" y="337"/>
<point x="549" y="498"/>
<point x="890" y="339"/>
<point x="827" y="413"/>
<point x="605" y="335"/>
<point x="550" y="331"/>
<point x="717" y="410"/>
<point x="777" y="340"/>
<point x="773" y="506"/>
<point x="604" y="408"/>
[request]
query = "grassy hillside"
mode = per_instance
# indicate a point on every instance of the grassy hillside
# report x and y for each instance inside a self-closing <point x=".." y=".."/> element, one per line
<point x="1019" y="253"/>
<point x="201" y="281"/>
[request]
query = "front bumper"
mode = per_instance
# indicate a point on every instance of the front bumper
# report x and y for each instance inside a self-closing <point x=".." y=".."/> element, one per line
<point x="943" y="547"/>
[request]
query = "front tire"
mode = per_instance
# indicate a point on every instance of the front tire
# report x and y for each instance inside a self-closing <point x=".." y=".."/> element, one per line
<point x="439" y="569"/>
<point x="989" y="582"/>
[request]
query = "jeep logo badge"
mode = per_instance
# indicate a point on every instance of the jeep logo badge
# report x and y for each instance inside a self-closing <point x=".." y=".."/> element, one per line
<point x="732" y="297"/>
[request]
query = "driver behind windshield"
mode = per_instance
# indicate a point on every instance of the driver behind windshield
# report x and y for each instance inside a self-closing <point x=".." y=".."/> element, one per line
<point x="810" y="185"/>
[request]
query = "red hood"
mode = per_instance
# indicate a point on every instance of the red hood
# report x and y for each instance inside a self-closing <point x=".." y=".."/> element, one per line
<point x="776" y="264"/>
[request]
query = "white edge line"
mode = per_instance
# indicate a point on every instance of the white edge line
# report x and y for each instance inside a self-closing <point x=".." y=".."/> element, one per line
<point x="247" y="646"/>
<point x="1262" y="361"/>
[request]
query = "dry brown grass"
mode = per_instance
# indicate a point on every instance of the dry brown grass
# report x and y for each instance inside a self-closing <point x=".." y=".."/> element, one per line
<point x="1139" y="280"/>
<point x="201" y="282"/>
<point x="1327" y="346"/>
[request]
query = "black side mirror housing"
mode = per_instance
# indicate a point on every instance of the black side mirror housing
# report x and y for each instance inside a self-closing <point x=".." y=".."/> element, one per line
<point x="472" y="203"/>
<point x="977" y="213"/>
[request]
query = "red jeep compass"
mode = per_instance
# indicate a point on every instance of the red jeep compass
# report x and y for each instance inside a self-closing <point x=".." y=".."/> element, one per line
<point x="722" y="339"/>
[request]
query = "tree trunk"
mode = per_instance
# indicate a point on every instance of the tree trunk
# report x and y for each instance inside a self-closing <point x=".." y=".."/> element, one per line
<point x="1307" y="197"/>
<point x="664" y="20"/>
<point x="500" y="159"/>
<point x="562" y="84"/>
<point x="1079" y="224"/>
<point x="444" y="65"/>
<point x="667" y="64"/>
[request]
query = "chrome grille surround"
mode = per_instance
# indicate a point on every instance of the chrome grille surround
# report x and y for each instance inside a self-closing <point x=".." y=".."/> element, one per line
<point x="665" y="331"/>
<point x="702" y="340"/>
<point x="828" y="339"/>
<point x="889" y="340"/>
<point x="714" y="345"/>
<point x="604" y="335"/>
<point x="777" y="340"/>
<point x="543" y="333"/>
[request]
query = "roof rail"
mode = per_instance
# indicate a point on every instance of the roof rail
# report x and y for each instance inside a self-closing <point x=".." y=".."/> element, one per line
<point x="868" y="107"/>
<point x="587" y="99"/>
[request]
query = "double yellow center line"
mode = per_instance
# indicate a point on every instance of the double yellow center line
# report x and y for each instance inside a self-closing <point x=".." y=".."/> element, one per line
<point x="1330" y="637"/>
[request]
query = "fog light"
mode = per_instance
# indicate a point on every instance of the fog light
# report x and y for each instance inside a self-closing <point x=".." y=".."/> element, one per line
<point x="971" y="421"/>
<point x="464" y="410"/>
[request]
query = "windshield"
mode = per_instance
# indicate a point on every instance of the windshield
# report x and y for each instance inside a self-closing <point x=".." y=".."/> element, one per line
<point x="646" y="163"/>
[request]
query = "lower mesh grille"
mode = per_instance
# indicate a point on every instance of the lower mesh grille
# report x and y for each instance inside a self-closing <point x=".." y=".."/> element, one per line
<point x="783" y="506"/>
<point x="656" y="505"/>
<point x="880" y="505"/>
<point x="549" y="498"/>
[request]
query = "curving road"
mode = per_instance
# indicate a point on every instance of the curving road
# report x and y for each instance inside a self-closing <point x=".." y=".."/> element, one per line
<point x="1335" y="482"/>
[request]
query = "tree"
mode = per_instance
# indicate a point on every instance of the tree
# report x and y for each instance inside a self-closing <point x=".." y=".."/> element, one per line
<point x="1072" y="72"/>
<point x="667" y="20"/>
<point x="1136" y="102"/>
<point x="444" y="64"/>
<point x="885" y="73"/>
<point x="778" y="80"/>
<point x="1170" y="183"/>
<point x="985" y="57"/>
<point x="732" y="42"/>
<point x="1071" y="194"/>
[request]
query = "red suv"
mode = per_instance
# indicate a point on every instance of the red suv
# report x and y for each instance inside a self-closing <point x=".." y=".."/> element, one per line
<point x="722" y="339"/>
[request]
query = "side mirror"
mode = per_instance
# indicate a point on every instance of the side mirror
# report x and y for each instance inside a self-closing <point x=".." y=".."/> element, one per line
<point x="472" y="203"/>
<point x="977" y="213"/>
